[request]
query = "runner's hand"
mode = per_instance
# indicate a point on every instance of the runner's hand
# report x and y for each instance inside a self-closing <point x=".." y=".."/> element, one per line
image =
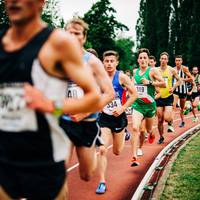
<point x="145" y="81"/>
<point x="36" y="100"/>
<point x="79" y="117"/>
<point x="118" y="111"/>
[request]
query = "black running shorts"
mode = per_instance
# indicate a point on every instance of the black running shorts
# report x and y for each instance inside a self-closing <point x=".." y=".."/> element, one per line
<point x="162" y="102"/>
<point x="115" y="124"/>
<point x="83" y="133"/>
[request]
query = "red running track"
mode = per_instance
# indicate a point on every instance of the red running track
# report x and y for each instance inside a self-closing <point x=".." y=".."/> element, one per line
<point x="122" y="180"/>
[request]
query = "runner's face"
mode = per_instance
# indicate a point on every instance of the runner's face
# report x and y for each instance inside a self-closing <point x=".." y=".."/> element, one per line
<point x="23" y="11"/>
<point x="152" y="63"/>
<point x="77" y="31"/>
<point x="110" y="63"/>
<point x="163" y="60"/>
<point x="143" y="59"/>
<point x="178" y="62"/>
<point x="195" y="70"/>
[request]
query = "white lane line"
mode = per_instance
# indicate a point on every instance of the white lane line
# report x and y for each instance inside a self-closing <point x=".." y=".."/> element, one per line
<point x="77" y="164"/>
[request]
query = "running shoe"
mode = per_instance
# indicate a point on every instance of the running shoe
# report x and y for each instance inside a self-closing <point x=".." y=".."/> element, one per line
<point x="151" y="138"/>
<point x="139" y="152"/>
<point x="195" y="119"/>
<point x="134" y="162"/>
<point x="127" y="134"/>
<point x="182" y="124"/>
<point x="170" y="128"/>
<point x="161" y="140"/>
<point x="185" y="112"/>
<point x="101" y="189"/>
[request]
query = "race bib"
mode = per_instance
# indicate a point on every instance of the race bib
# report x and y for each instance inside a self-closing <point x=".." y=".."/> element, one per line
<point x="74" y="91"/>
<point x="141" y="90"/>
<point x="109" y="108"/>
<point x="14" y="115"/>
<point x="166" y="80"/>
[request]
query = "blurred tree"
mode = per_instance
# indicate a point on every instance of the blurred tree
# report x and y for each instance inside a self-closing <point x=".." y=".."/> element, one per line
<point x="3" y="17"/>
<point x="103" y="26"/>
<point x="124" y="46"/>
<point x="51" y="14"/>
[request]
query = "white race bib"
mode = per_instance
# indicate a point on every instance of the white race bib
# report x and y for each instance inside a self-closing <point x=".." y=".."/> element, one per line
<point x="74" y="91"/>
<point x="141" y="90"/>
<point x="14" y="115"/>
<point x="166" y="80"/>
<point x="109" y="108"/>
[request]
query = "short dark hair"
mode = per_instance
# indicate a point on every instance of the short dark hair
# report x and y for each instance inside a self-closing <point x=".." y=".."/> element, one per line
<point x="152" y="57"/>
<point x="111" y="53"/>
<point x="164" y="53"/>
<point x="144" y="50"/>
<point x="179" y="56"/>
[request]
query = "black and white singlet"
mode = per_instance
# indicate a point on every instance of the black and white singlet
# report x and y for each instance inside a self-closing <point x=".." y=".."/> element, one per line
<point x="28" y="137"/>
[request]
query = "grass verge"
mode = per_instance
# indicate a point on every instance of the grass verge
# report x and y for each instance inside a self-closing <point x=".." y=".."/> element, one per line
<point x="183" y="182"/>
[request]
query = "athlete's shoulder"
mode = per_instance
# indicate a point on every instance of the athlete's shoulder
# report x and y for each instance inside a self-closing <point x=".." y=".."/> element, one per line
<point x="60" y="38"/>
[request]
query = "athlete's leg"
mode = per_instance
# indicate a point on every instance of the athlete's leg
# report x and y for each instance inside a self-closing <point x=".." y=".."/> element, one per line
<point x="118" y="142"/>
<point x="142" y="133"/>
<point x="106" y="135"/>
<point x="182" y="106"/>
<point x="149" y="124"/>
<point x="176" y="98"/>
<point x="168" y="114"/>
<point x="63" y="194"/>
<point x="87" y="161"/>
<point x="137" y="117"/>
<point x="4" y="195"/>
<point x="160" y="115"/>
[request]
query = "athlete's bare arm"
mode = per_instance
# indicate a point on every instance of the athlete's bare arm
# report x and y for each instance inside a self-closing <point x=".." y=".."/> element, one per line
<point x="158" y="80"/>
<point x="189" y="77"/>
<point x="126" y="82"/>
<point x="64" y="49"/>
<point x="104" y="83"/>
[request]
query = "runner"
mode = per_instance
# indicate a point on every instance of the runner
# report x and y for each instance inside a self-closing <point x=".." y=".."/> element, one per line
<point x="193" y="94"/>
<point x="165" y="102"/>
<point x="146" y="79"/>
<point x="32" y="145"/>
<point x="82" y="129"/>
<point x="181" y="91"/>
<point x="113" y="119"/>
<point x="143" y="132"/>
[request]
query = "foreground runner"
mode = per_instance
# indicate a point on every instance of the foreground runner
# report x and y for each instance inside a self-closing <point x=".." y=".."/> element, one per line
<point x="165" y="102"/>
<point x="181" y="91"/>
<point x="146" y="79"/>
<point x="82" y="128"/>
<point x="32" y="145"/>
<point x="113" y="119"/>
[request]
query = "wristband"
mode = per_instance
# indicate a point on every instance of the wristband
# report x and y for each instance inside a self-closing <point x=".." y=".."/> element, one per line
<point x="58" y="104"/>
<point x="150" y="82"/>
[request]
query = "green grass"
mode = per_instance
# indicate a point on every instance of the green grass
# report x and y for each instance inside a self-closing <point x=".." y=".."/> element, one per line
<point x="183" y="182"/>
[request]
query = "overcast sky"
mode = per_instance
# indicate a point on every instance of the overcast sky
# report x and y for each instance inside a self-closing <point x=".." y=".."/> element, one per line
<point x="127" y="11"/>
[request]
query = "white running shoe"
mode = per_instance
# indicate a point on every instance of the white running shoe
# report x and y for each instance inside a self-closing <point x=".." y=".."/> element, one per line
<point x="139" y="152"/>
<point x="170" y="128"/>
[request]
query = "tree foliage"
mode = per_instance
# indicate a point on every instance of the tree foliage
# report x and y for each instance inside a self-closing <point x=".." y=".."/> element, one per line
<point x="103" y="26"/>
<point x="3" y="16"/>
<point x="104" y="30"/>
<point x="51" y="14"/>
<point x="170" y="25"/>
